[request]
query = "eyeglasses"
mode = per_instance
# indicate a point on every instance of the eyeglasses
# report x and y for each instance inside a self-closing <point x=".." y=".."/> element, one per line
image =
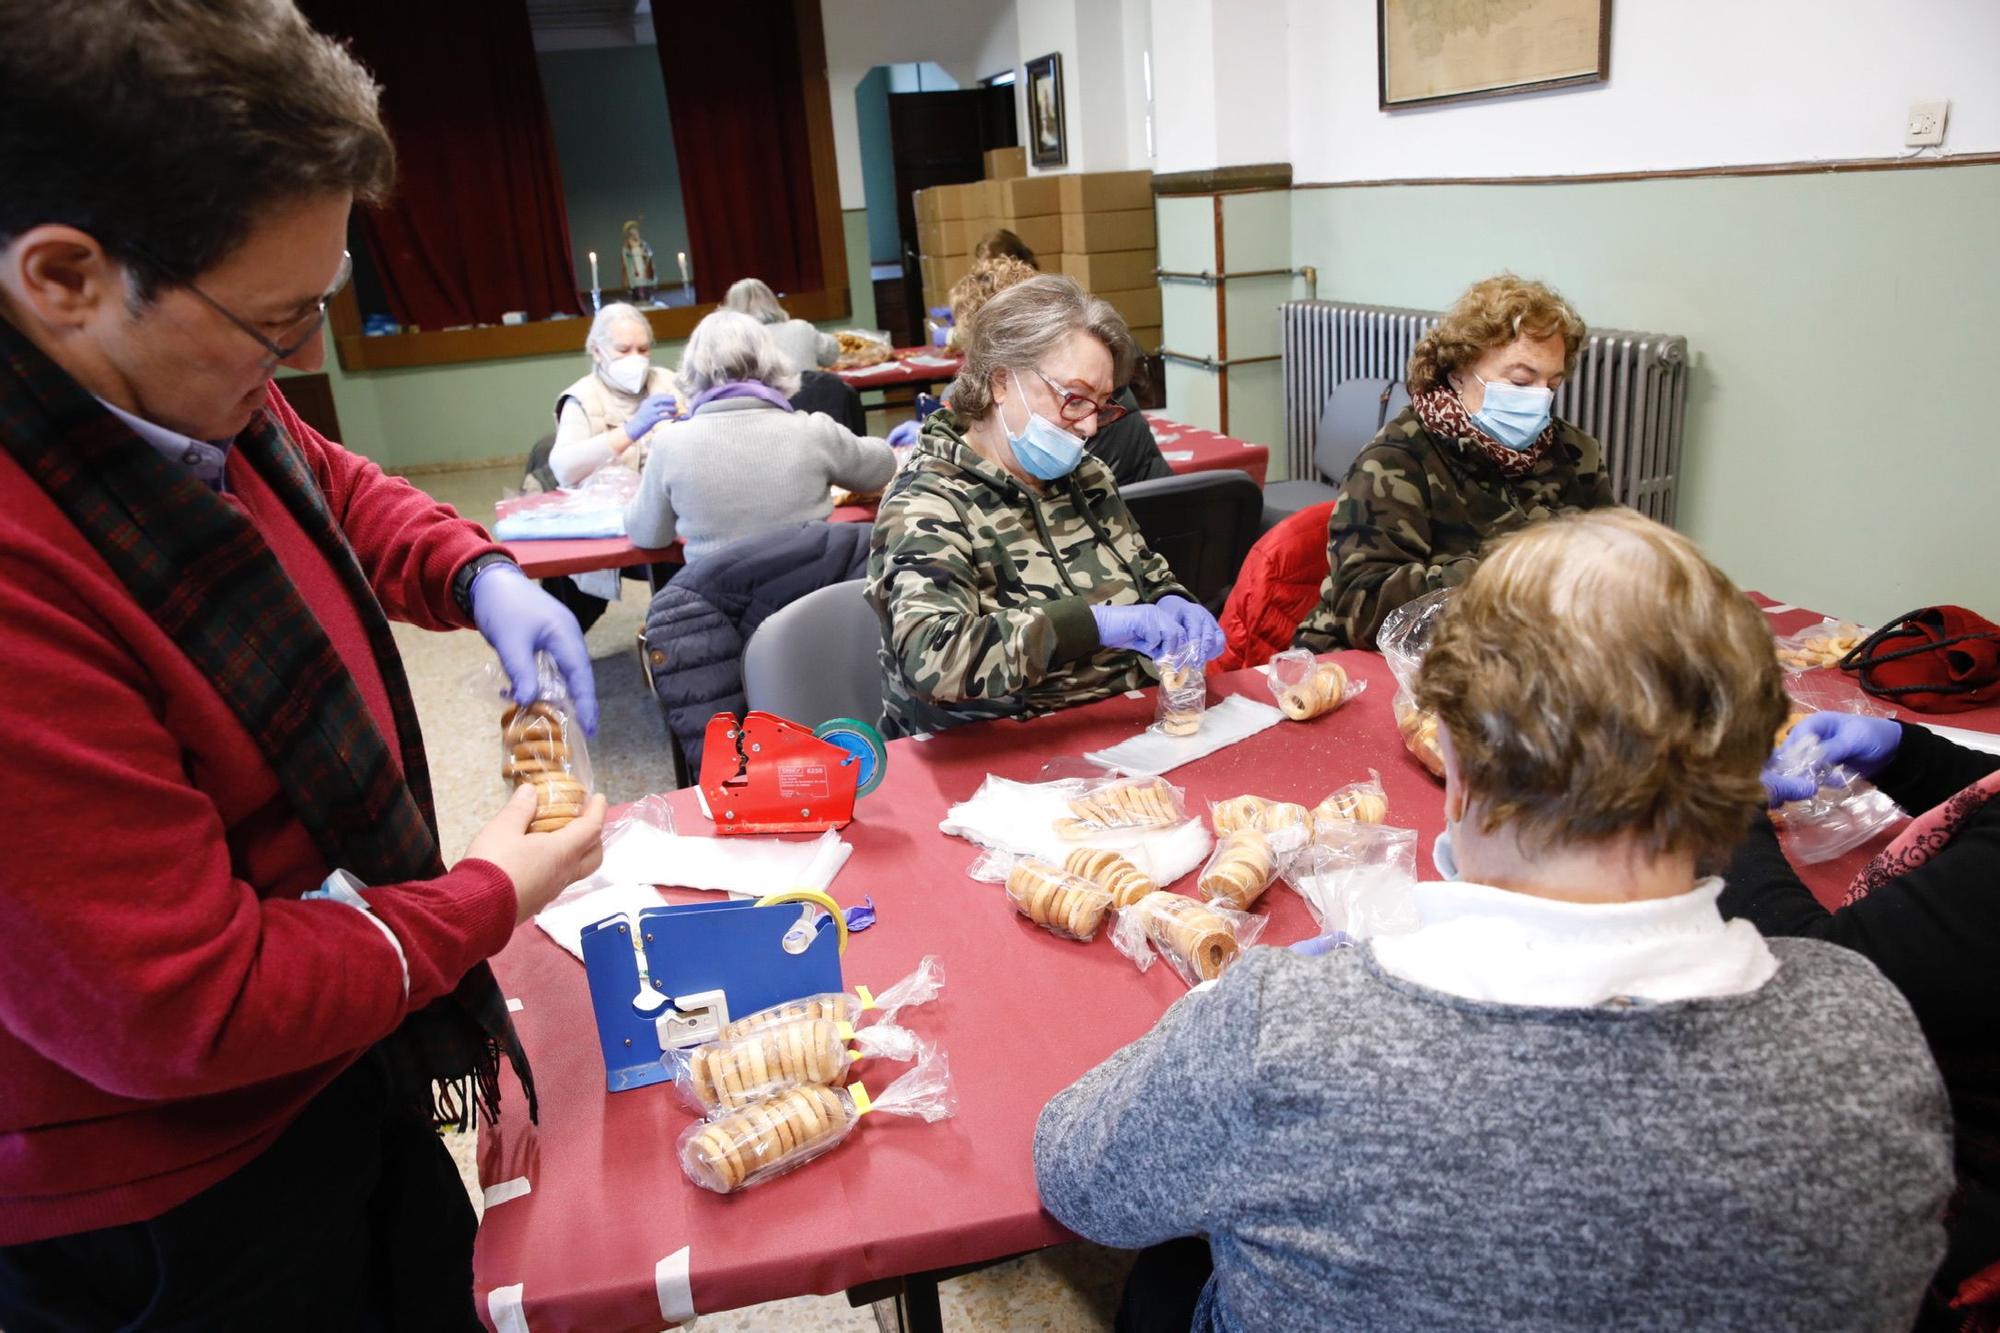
<point x="294" y="335"/>
<point x="1076" y="407"/>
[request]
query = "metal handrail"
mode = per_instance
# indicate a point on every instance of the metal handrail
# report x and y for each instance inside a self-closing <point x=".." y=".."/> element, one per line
<point x="1208" y="279"/>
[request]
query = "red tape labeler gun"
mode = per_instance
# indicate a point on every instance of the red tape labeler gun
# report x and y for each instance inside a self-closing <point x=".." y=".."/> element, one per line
<point x="767" y="774"/>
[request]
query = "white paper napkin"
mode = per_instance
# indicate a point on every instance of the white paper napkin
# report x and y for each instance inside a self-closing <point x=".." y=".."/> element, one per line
<point x="1150" y="753"/>
<point x="1019" y="817"/>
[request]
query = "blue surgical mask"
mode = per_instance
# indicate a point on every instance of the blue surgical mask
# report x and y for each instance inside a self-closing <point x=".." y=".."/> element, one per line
<point x="1045" y="450"/>
<point x="1441" y="854"/>
<point x="1514" y="414"/>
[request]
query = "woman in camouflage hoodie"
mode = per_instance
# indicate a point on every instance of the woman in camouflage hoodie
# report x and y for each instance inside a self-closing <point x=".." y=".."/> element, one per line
<point x="1476" y="454"/>
<point x="1008" y="576"/>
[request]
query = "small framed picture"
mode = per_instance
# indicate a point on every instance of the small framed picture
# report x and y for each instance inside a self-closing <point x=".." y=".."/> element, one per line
<point x="1048" y="145"/>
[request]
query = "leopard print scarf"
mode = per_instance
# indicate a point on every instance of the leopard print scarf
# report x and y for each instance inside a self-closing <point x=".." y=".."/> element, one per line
<point x="1445" y="417"/>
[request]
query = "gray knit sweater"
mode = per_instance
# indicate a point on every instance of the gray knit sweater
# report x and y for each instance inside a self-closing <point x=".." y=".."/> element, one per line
<point x="741" y="466"/>
<point x="1363" y="1153"/>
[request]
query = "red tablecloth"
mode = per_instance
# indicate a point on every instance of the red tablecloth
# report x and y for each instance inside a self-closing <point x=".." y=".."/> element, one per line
<point x="1192" y="449"/>
<point x="547" y="559"/>
<point x="900" y="372"/>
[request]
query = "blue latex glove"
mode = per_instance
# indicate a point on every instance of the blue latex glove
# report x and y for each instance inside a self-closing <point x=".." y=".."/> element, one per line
<point x="1323" y="944"/>
<point x="1197" y="626"/>
<point x="519" y="619"/>
<point x="1864" y="745"/>
<point x="1142" y="628"/>
<point x="651" y="413"/>
<point x="904" y="435"/>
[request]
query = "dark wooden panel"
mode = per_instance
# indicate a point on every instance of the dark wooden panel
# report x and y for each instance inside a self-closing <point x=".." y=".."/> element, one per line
<point x="940" y="139"/>
<point x="311" y="396"/>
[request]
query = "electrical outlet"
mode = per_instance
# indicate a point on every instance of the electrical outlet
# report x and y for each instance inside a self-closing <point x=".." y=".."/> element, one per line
<point x="1925" y="125"/>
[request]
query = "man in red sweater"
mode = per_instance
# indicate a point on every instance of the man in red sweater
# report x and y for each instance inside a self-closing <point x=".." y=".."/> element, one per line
<point x="234" y="973"/>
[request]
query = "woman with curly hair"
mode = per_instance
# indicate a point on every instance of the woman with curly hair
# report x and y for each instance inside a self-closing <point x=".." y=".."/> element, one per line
<point x="1477" y="453"/>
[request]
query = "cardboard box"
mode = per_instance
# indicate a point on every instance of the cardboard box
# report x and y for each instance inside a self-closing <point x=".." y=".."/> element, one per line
<point x="1005" y="164"/>
<point x="943" y="203"/>
<point x="1112" y="270"/>
<point x="957" y="236"/>
<point x="940" y="273"/>
<point x="984" y="199"/>
<point x="1088" y="233"/>
<point x="1140" y="306"/>
<point x="1030" y="197"/>
<point x="1106" y="191"/>
<point x="1149" y="338"/>
<point x="1043" y="235"/>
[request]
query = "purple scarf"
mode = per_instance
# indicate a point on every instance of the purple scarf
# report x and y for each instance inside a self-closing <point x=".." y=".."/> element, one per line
<point x="739" y="389"/>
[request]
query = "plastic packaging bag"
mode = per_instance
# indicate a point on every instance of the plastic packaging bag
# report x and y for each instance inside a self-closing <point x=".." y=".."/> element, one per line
<point x="1118" y="804"/>
<point x="1183" y="691"/>
<point x="767" y="1138"/>
<point x="1845" y="812"/>
<point x="1048" y="895"/>
<point x="863" y="347"/>
<point x="1306" y="688"/>
<point x="1404" y="638"/>
<point x="1109" y="871"/>
<point x="541" y="744"/>
<point x="1358" y="880"/>
<point x="1198" y="940"/>
<point x="1024" y="817"/>
<point x="920" y="987"/>
<point x="1243" y="865"/>
<point x="1255" y="812"/>
<point x="1356" y="803"/>
<point x="725" y="1074"/>
<point x="594" y="509"/>
<point x="1821" y="645"/>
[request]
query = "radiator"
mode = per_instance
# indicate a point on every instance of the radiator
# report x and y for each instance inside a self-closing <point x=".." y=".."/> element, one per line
<point x="1627" y="392"/>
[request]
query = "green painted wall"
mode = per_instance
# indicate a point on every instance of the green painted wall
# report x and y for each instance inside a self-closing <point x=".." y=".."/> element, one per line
<point x="496" y="409"/>
<point x="1838" y="452"/>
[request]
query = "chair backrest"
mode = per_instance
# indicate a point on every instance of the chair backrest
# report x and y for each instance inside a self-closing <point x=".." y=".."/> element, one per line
<point x="538" y="462"/>
<point x="815" y="658"/>
<point x="1203" y="523"/>
<point x="1348" y="420"/>
<point x="824" y="391"/>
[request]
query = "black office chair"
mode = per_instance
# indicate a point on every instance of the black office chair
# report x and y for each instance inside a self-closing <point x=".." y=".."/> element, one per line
<point x="1203" y="523"/>
<point x="824" y="391"/>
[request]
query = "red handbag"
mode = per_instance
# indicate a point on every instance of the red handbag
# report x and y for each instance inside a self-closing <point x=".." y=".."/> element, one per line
<point x="1941" y="659"/>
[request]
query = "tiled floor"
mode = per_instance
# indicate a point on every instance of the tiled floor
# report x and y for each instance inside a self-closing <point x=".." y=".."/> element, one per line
<point x="1071" y="1287"/>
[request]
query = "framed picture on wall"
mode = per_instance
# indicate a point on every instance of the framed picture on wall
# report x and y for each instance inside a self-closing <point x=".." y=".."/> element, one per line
<point x="1429" y="53"/>
<point x="1048" y="145"/>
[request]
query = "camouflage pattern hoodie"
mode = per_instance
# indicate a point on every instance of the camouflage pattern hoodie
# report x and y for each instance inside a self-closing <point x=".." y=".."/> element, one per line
<point x="984" y="587"/>
<point x="1414" y="512"/>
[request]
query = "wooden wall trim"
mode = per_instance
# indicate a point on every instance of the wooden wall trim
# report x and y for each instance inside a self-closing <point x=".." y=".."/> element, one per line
<point x="1826" y="168"/>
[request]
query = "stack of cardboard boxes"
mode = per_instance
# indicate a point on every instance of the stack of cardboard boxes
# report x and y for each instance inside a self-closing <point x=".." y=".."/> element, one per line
<point x="1095" y="226"/>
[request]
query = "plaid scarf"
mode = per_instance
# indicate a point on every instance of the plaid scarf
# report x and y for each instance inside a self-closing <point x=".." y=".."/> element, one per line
<point x="201" y="570"/>
<point x="1445" y="417"/>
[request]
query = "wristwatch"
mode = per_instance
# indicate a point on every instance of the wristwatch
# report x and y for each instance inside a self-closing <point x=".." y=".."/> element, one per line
<point x="461" y="582"/>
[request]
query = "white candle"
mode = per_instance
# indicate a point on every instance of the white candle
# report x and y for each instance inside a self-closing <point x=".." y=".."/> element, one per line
<point x="593" y="270"/>
<point x="682" y="256"/>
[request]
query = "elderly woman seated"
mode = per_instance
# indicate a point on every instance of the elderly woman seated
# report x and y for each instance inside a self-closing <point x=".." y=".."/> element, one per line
<point x="745" y="460"/>
<point x="605" y="418"/>
<point x="802" y="346"/>
<point x="1476" y="454"/>
<point x="1008" y="576"/>
<point x="1573" y="1097"/>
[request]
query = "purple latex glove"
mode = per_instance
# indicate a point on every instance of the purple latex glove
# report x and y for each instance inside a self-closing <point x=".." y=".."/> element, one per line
<point x="1323" y="944"/>
<point x="1197" y="626"/>
<point x="651" y="413"/>
<point x="904" y="435"/>
<point x="1143" y="629"/>
<point x="519" y="619"/>
<point x="1863" y="745"/>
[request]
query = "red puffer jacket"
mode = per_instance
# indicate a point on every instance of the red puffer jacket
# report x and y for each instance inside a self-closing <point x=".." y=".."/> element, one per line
<point x="1278" y="585"/>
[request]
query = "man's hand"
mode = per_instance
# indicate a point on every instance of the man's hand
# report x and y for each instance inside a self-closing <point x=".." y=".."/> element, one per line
<point x="540" y="865"/>
<point x="519" y="619"/>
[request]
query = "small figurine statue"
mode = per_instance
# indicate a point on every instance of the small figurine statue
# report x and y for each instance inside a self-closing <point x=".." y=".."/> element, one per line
<point x="637" y="257"/>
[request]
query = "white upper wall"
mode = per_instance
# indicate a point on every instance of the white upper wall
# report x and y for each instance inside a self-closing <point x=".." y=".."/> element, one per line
<point x="1694" y="83"/>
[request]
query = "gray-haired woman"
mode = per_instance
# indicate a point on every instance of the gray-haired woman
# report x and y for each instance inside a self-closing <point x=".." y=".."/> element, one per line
<point x="605" y="417"/>
<point x="801" y="345"/>
<point x="1008" y="576"/>
<point x="744" y="461"/>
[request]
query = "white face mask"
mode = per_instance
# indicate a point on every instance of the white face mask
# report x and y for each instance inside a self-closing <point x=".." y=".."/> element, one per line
<point x="627" y="372"/>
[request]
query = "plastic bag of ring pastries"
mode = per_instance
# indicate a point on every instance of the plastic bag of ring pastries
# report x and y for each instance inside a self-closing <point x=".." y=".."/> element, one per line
<point x="541" y="744"/>
<point x="1305" y="687"/>
<point x="1404" y="638"/>
<point x="1058" y="901"/>
<point x="723" y="1075"/>
<point x="1844" y="811"/>
<point x="1183" y="697"/>
<point x="766" y="1138"/>
<point x="1111" y="805"/>
<point x="1256" y="812"/>
<point x="920" y="987"/>
<point x="1199" y="940"/>
<point x="1246" y="862"/>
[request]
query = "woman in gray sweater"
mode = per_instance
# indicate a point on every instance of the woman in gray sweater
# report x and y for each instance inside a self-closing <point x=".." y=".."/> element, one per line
<point x="1574" y="1097"/>
<point x="745" y="460"/>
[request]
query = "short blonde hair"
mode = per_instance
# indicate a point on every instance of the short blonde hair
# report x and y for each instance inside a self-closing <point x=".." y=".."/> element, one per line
<point x="1599" y="680"/>
<point x="1026" y="322"/>
<point x="1492" y="314"/>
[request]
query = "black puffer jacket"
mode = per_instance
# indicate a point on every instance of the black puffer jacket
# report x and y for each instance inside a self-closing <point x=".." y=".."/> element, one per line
<point x="698" y="624"/>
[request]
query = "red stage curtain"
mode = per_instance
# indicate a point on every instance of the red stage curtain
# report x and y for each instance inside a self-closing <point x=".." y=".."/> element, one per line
<point x="477" y="225"/>
<point x="736" y="95"/>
